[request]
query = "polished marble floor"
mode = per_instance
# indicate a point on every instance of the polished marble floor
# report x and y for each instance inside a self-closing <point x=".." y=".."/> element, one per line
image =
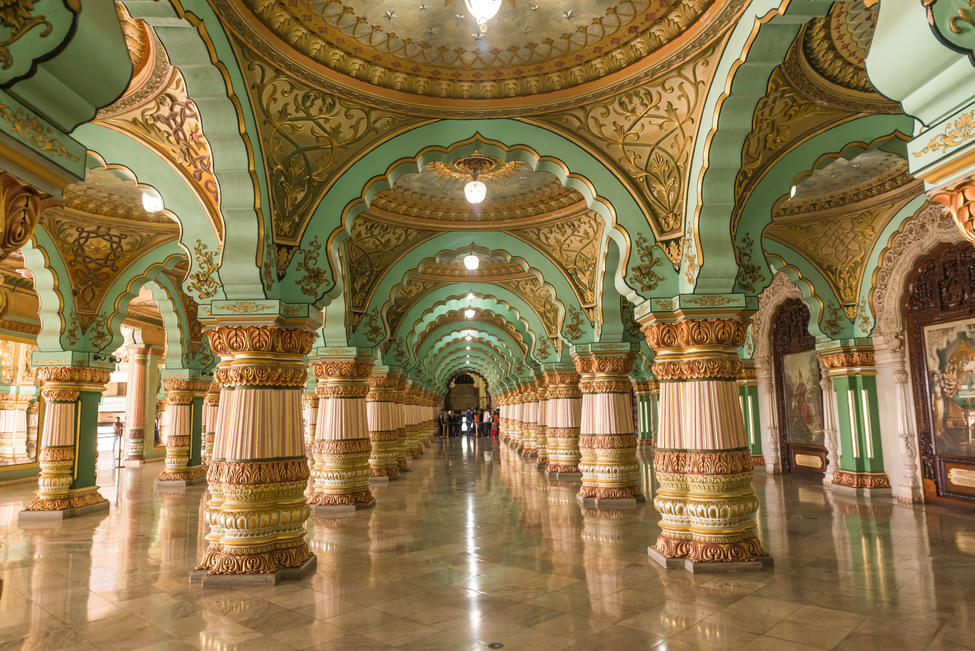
<point x="475" y="548"/>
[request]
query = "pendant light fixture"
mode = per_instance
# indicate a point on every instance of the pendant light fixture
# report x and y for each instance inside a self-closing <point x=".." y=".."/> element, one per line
<point x="483" y="11"/>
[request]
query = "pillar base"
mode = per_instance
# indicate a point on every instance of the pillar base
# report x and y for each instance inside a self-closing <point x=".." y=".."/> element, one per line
<point x="176" y="485"/>
<point x="55" y="517"/>
<point x="758" y="461"/>
<point x="340" y="510"/>
<point x="609" y="504"/>
<point x="208" y="580"/>
<point x="563" y="476"/>
<point x="380" y="479"/>
<point x="697" y="567"/>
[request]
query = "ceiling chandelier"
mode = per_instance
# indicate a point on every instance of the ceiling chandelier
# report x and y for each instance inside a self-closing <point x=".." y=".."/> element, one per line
<point x="472" y="262"/>
<point x="469" y="313"/>
<point x="483" y="11"/>
<point x="477" y="163"/>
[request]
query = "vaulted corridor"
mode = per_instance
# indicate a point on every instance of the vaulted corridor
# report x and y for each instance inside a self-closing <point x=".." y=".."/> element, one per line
<point x="475" y="547"/>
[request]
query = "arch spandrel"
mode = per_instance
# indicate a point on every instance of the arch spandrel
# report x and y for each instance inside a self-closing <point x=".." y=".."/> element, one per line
<point x="827" y="320"/>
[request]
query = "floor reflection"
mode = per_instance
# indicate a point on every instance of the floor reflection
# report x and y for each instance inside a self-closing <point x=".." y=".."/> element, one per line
<point x="475" y="546"/>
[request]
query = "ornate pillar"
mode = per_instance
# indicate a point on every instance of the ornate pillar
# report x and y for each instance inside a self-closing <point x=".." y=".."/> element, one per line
<point x="831" y="435"/>
<point x="514" y="440"/>
<point x="607" y="440"/>
<point x="13" y="426"/>
<point x="310" y="420"/>
<point x="211" y="405"/>
<point x="703" y="463"/>
<point x="383" y="430"/>
<point x="643" y="393"/>
<point x="414" y="446"/>
<point x="854" y="376"/>
<point x="399" y="412"/>
<point x="563" y="413"/>
<point x="541" y="423"/>
<point x="184" y="466"/>
<point x="502" y="402"/>
<point x="769" y="431"/>
<point x="69" y="440"/>
<point x="909" y="490"/>
<point x="341" y="472"/>
<point x="748" y="400"/>
<point x="136" y="403"/>
<point x="529" y="420"/>
<point x="258" y="474"/>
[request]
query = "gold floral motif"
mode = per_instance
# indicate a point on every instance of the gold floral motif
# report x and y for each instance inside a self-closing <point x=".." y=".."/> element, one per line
<point x="313" y="274"/>
<point x="593" y="365"/>
<point x="574" y="246"/>
<point x="686" y="333"/>
<point x="573" y="323"/>
<point x="959" y="199"/>
<point x="257" y="375"/>
<point x="749" y="273"/>
<point x="225" y="340"/>
<point x="310" y="135"/>
<point x="185" y="474"/>
<point x="956" y="132"/>
<point x="848" y="359"/>
<point x="39" y="503"/>
<point x="59" y="395"/>
<point x="346" y="370"/>
<point x="861" y="479"/>
<point x="644" y="273"/>
<point x="697" y="369"/>
<point x="218" y="561"/>
<point x="21" y="207"/>
<point x="39" y="136"/>
<point x="587" y="385"/>
<point x="342" y="390"/>
<point x="74" y="375"/>
<point x="56" y="454"/>
<point x="648" y="133"/>
<point x="718" y="462"/>
<point x="201" y="280"/>
<point x="193" y="387"/>
<point x="252" y="473"/>
<point x="605" y="493"/>
<point x="607" y="442"/>
<point x="341" y="499"/>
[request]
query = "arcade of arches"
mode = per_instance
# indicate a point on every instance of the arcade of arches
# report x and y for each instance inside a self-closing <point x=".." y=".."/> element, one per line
<point x="722" y="281"/>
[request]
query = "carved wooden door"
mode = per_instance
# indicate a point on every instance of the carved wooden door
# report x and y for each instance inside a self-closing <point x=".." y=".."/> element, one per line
<point x="799" y="400"/>
<point x="939" y="311"/>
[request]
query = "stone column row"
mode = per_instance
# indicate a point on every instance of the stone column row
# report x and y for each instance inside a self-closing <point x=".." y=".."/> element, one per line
<point x="563" y="411"/>
<point x="384" y="430"/>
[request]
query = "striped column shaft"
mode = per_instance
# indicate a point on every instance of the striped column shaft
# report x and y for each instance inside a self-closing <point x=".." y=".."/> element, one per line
<point x="541" y="422"/>
<point x="258" y="473"/>
<point x="702" y="461"/>
<point x="383" y="429"/>
<point x="607" y="439"/>
<point x="399" y="410"/>
<point x="563" y="413"/>
<point x="342" y="447"/>
<point x="211" y="406"/>
<point x="310" y="419"/>
<point x="180" y="395"/>
<point x="135" y="403"/>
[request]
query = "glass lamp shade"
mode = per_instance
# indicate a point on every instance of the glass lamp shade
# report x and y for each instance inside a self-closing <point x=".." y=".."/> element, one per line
<point x="474" y="192"/>
<point x="469" y="314"/>
<point x="151" y="202"/>
<point x="483" y="11"/>
<point x="472" y="262"/>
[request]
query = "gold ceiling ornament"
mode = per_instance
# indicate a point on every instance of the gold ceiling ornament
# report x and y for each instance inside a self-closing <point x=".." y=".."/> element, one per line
<point x="308" y="139"/>
<point x="648" y="135"/>
<point x="168" y="122"/>
<point x="838" y="243"/>
<point x="202" y="280"/>
<point x="574" y="245"/>
<point x="489" y="168"/>
<point x="151" y="69"/>
<point x="960" y="201"/>
<point x="488" y="317"/>
<point x="372" y="248"/>
<point x="97" y="251"/>
<point x="20" y="212"/>
<point x="643" y="274"/>
<point x="836" y="45"/>
<point x="383" y="50"/>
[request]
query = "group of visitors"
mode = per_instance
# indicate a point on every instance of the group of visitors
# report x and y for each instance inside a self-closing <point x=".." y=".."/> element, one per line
<point x="472" y="422"/>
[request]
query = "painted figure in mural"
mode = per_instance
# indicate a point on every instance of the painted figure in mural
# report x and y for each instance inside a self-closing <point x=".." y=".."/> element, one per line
<point x="800" y="403"/>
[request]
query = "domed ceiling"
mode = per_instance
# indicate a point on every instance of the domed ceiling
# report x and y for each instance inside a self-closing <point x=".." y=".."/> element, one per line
<point x="428" y="52"/>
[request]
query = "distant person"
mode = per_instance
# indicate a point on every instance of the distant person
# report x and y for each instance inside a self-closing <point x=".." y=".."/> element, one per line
<point x="119" y="427"/>
<point x="486" y="423"/>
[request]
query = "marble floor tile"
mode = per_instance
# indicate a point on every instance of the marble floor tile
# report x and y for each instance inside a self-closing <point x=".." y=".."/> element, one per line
<point x="463" y="552"/>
